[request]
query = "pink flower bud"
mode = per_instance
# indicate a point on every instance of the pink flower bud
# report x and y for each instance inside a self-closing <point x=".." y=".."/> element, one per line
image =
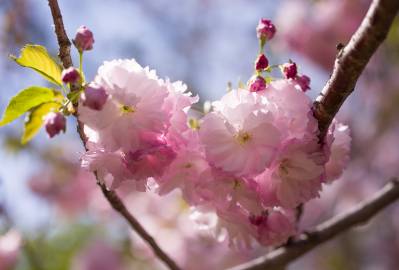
<point x="261" y="62"/>
<point x="257" y="83"/>
<point x="265" y="29"/>
<point x="83" y="40"/>
<point x="54" y="123"/>
<point x="70" y="75"/>
<point x="290" y="70"/>
<point x="257" y="219"/>
<point x="303" y="82"/>
<point x="94" y="97"/>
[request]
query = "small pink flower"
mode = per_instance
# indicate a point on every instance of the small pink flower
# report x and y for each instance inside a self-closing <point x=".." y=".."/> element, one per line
<point x="84" y="39"/>
<point x="292" y="111"/>
<point x="290" y="70"/>
<point x="94" y="97"/>
<point x="151" y="160"/>
<point x="275" y="226"/>
<point x="303" y="82"/>
<point x="184" y="172"/>
<point x="70" y="75"/>
<point x="265" y="29"/>
<point x="240" y="137"/>
<point x="54" y="123"/>
<point x="134" y="105"/>
<point x="295" y="175"/>
<point x="261" y="62"/>
<point x="257" y="83"/>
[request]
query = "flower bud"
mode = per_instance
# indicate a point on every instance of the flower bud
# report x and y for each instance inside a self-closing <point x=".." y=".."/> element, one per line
<point x="290" y="70"/>
<point x="70" y="75"/>
<point x="54" y="123"/>
<point x="83" y="40"/>
<point x="261" y="62"/>
<point x="94" y="97"/>
<point x="257" y="83"/>
<point x="303" y="82"/>
<point x="265" y="29"/>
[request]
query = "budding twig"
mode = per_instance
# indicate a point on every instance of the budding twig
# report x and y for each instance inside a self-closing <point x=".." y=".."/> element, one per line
<point x="110" y="195"/>
<point x="352" y="59"/>
<point x="349" y="64"/>
<point x="326" y="231"/>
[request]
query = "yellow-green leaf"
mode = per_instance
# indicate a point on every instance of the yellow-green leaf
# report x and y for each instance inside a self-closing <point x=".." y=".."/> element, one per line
<point x="37" y="58"/>
<point x="35" y="120"/>
<point x="26" y="100"/>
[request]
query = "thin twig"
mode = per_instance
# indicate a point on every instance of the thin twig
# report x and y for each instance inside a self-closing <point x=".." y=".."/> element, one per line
<point x="118" y="205"/>
<point x="305" y="242"/>
<point x="110" y="195"/>
<point x="352" y="59"/>
<point x="62" y="37"/>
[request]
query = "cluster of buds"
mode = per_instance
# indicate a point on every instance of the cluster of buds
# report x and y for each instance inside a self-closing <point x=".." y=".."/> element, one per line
<point x="92" y="96"/>
<point x="290" y="72"/>
<point x="265" y="31"/>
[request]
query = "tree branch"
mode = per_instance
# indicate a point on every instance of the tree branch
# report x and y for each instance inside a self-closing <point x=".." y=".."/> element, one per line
<point x="325" y="231"/>
<point x="349" y="64"/>
<point x="119" y="206"/>
<point x="63" y="41"/>
<point x="352" y="60"/>
<point x="110" y="195"/>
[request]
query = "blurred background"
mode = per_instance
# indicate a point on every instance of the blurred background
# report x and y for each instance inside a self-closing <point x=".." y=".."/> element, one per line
<point x="53" y="216"/>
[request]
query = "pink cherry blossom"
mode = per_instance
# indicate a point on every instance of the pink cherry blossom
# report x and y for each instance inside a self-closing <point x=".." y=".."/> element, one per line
<point x="292" y="110"/>
<point x="295" y="175"/>
<point x="275" y="226"/>
<point x="185" y="172"/>
<point x="135" y="101"/>
<point x="241" y="138"/>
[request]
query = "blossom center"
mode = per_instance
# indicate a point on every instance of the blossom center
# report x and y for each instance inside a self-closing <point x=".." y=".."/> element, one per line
<point x="127" y="109"/>
<point x="243" y="137"/>
<point x="187" y="165"/>
<point x="283" y="168"/>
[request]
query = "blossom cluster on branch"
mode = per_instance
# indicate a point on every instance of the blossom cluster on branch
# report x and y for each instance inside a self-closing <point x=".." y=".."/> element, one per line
<point x="244" y="166"/>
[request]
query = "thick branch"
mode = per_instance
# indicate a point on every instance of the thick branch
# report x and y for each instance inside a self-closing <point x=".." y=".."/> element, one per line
<point x="352" y="60"/>
<point x="325" y="231"/>
<point x="110" y="195"/>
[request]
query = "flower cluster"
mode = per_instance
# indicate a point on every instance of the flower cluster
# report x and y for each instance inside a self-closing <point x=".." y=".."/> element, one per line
<point x="244" y="167"/>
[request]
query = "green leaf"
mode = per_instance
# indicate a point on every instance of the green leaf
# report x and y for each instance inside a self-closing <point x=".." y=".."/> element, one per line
<point x="26" y="100"/>
<point x="37" y="58"/>
<point x="35" y="120"/>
